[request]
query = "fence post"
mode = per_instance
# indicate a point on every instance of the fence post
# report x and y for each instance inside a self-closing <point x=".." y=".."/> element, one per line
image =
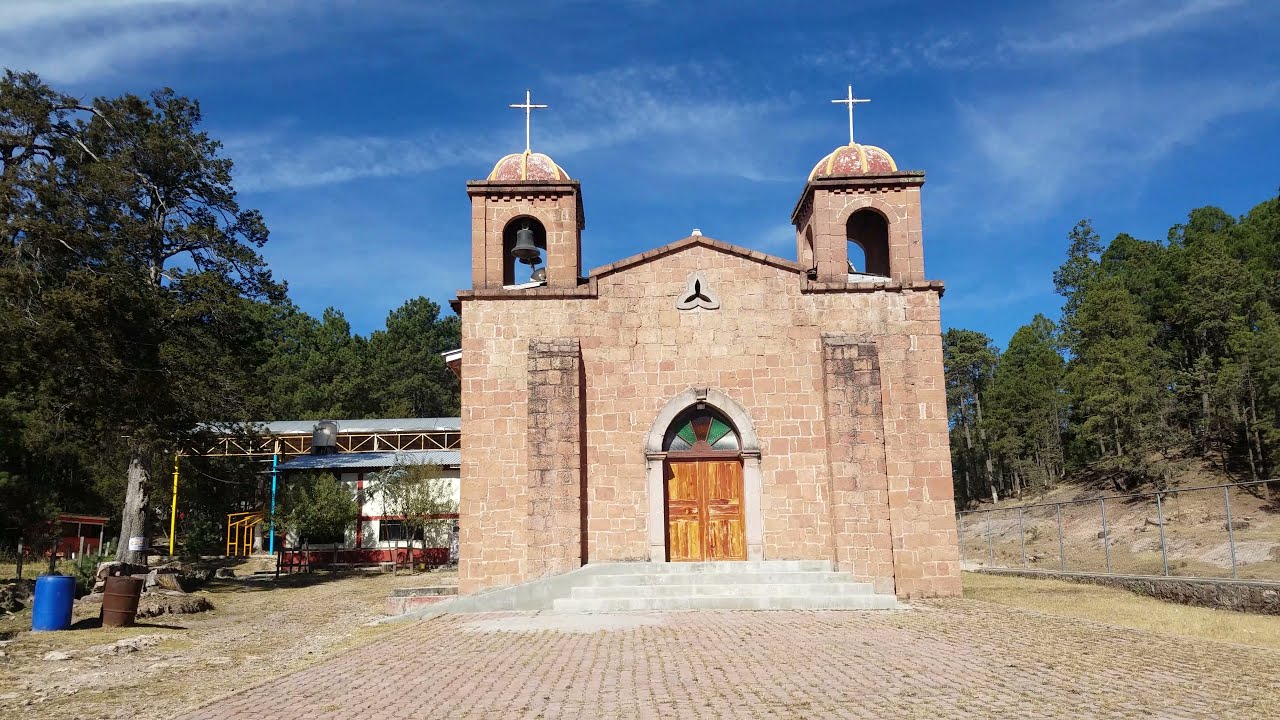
<point x="1106" y="536"/>
<point x="960" y="535"/>
<point x="1062" y="550"/>
<point x="1231" y="532"/>
<point x="1164" y="551"/>
<point x="991" y="550"/>
<point x="1022" y="538"/>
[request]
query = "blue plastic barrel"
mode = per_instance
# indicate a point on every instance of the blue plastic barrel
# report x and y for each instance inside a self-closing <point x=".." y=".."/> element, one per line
<point x="52" y="607"/>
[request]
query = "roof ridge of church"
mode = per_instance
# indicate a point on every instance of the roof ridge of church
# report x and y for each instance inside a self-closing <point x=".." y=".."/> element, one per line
<point x="703" y="240"/>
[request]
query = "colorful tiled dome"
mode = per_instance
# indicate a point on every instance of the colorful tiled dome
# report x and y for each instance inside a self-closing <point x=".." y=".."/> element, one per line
<point x="854" y="159"/>
<point x="525" y="166"/>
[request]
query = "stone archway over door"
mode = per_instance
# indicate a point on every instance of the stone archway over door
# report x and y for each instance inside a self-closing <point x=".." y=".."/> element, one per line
<point x="713" y="482"/>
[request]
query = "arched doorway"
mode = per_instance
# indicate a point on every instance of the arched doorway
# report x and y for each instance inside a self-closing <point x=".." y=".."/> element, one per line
<point x="656" y="451"/>
<point x="704" y="492"/>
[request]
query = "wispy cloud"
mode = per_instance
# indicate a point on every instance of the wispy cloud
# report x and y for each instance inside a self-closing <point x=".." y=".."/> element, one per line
<point x="1094" y="26"/>
<point x="73" y="40"/>
<point x="279" y="161"/>
<point x="667" y="110"/>
<point x="877" y="55"/>
<point x="1079" y="28"/>
<point x="1036" y="147"/>
<point x="692" y="117"/>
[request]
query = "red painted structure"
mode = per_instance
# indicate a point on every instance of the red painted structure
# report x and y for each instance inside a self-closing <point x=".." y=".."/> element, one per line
<point x="80" y="534"/>
<point x="364" y="556"/>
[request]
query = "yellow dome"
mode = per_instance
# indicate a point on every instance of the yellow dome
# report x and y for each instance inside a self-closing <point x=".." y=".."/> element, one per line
<point x="854" y="159"/>
<point x="525" y="166"/>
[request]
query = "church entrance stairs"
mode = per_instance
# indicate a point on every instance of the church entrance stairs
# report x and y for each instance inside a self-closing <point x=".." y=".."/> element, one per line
<point x="756" y="585"/>
<point x="672" y="587"/>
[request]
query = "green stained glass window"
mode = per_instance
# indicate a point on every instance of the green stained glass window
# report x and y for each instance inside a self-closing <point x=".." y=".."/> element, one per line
<point x="701" y="428"/>
<point x="686" y="434"/>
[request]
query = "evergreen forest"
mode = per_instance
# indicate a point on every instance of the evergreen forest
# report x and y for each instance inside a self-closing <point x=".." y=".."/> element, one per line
<point x="1166" y="353"/>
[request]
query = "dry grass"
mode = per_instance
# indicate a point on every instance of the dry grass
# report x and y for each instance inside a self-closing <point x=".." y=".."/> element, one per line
<point x="1123" y="608"/>
<point x="258" y="629"/>
<point x="33" y="569"/>
<point x="1195" y="534"/>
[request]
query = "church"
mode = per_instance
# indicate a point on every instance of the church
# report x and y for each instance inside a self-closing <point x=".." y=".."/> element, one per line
<point x="701" y="401"/>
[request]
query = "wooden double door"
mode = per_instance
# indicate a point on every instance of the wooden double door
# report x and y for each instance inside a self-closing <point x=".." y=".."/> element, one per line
<point x="705" y="517"/>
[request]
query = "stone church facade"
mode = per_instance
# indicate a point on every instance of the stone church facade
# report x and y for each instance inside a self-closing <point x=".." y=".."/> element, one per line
<point x="704" y="401"/>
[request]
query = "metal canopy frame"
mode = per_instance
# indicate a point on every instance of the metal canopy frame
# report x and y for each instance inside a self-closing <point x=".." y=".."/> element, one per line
<point x="267" y="445"/>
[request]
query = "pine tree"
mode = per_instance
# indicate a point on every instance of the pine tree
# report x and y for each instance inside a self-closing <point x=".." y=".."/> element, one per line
<point x="1026" y="405"/>
<point x="970" y="360"/>
<point x="131" y="283"/>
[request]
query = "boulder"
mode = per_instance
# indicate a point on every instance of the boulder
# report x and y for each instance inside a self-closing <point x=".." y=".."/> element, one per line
<point x="16" y="595"/>
<point x="165" y="578"/>
<point x="224" y="573"/>
<point x="156" y="603"/>
<point x="115" y="569"/>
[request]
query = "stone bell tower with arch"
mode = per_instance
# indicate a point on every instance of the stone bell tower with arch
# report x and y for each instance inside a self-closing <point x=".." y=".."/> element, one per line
<point x="525" y="190"/>
<point x="856" y="195"/>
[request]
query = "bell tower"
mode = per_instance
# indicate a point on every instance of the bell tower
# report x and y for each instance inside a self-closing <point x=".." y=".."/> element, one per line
<point x="858" y="219"/>
<point x="526" y="213"/>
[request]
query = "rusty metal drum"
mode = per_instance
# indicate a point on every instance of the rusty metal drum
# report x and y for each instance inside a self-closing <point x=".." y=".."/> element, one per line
<point x="120" y="601"/>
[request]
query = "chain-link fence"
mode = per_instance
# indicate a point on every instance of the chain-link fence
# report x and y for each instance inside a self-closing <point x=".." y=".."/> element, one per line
<point x="1219" y="531"/>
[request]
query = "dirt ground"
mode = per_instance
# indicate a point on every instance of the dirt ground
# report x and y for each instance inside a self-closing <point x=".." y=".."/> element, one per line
<point x="1122" y="608"/>
<point x="1197" y="540"/>
<point x="258" y="629"/>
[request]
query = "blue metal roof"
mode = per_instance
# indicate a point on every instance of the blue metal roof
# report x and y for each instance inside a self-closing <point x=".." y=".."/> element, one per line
<point x="375" y="425"/>
<point x="385" y="425"/>
<point x="373" y="460"/>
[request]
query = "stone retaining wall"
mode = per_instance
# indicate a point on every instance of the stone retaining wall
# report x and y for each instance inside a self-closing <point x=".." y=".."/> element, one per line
<point x="1240" y="595"/>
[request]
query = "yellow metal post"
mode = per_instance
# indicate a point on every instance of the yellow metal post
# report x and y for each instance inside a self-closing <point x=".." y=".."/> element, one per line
<point x="173" y="511"/>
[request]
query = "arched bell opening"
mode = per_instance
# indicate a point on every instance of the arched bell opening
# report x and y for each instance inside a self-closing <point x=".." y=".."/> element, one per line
<point x="868" y="234"/>
<point x="524" y="243"/>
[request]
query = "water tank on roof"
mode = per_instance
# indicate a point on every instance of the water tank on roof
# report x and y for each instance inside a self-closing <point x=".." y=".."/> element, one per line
<point x="324" y="438"/>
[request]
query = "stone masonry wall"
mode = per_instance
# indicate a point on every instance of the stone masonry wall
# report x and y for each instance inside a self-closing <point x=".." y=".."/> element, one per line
<point x="763" y="347"/>
<point x="926" y="555"/>
<point x="859" y="487"/>
<point x="554" y="489"/>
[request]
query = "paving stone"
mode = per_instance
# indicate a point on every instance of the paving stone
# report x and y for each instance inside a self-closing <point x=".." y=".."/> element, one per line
<point x="944" y="659"/>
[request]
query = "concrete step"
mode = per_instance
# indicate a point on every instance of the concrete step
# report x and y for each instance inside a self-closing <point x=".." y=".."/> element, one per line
<point x="733" y="566"/>
<point x="743" y="578"/>
<point x="677" y="604"/>
<point x="723" y="590"/>
<point x="401" y="604"/>
<point x="423" y="591"/>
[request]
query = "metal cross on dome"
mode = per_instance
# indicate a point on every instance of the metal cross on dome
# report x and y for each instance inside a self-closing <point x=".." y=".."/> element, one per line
<point x="850" y="101"/>
<point x="528" y="108"/>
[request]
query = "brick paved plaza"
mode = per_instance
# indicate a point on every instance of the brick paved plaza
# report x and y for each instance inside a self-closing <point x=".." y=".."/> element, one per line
<point x="945" y="659"/>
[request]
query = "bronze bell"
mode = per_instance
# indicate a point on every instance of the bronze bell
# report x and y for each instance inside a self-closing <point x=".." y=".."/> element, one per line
<point x="524" y="249"/>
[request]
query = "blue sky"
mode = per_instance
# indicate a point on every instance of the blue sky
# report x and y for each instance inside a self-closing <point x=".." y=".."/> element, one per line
<point x="354" y="125"/>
